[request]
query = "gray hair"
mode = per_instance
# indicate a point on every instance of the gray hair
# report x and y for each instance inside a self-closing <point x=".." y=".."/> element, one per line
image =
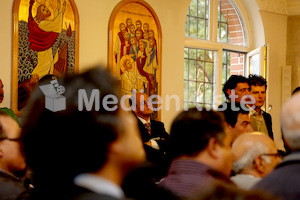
<point x="290" y="133"/>
<point x="247" y="160"/>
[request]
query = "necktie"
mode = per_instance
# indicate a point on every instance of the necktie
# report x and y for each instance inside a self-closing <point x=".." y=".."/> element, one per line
<point x="147" y="125"/>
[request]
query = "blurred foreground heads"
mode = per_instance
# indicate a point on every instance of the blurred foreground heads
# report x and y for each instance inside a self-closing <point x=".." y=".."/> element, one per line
<point x="201" y="152"/>
<point x="12" y="160"/>
<point x="81" y="154"/>
<point x="255" y="156"/>
<point x="284" y="181"/>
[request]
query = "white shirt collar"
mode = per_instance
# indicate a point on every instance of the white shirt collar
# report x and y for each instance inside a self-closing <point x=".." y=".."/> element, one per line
<point x="99" y="185"/>
<point x="143" y="120"/>
<point x="251" y="110"/>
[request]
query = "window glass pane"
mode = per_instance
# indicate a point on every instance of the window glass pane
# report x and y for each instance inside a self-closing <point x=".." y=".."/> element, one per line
<point x="197" y="19"/>
<point x="186" y="52"/>
<point x="201" y="30"/>
<point x="254" y="64"/>
<point x="233" y="63"/>
<point x="201" y="8"/>
<point x="186" y="64"/>
<point x="223" y="56"/>
<point x="229" y="18"/>
<point x="200" y="66"/>
<point x="224" y="77"/>
<point x="209" y="72"/>
<point x="219" y="15"/>
<point x="186" y="106"/>
<point x="207" y="9"/>
<point x="192" y="91"/>
<point x="208" y="93"/>
<point x="200" y="54"/>
<point x="222" y="32"/>
<point x="186" y="90"/>
<point x="200" y="91"/>
<point x="208" y="55"/>
<point x="206" y="32"/>
<point x="193" y="8"/>
<point x="192" y="53"/>
<point x="192" y="70"/>
<point x="201" y="76"/>
<point x="187" y="27"/>
<point x="191" y="105"/>
<point x="193" y="27"/>
<point x="199" y="106"/>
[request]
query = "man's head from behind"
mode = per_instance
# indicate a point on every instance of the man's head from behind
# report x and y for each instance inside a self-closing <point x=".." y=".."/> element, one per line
<point x="12" y="159"/>
<point x="71" y="141"/>
<point x="237" y="121"/>
<point x="254" y="153"/>
<point x="194" y="133"/>
<point x="240" y="86"/>
<point x="258" y="87"/>
<point x="290" y="122"/>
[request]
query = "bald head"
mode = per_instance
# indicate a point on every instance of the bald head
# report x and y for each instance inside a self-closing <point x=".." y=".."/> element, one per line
<point x="248" y="147"/>
<point x="290" y="121"/>
<point x="247" y="140"/>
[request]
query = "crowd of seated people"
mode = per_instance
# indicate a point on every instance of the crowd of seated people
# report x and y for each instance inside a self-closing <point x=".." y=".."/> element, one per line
<point x="107" y="153"/>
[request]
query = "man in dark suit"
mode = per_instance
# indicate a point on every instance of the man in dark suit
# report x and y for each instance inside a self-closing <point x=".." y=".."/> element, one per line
<point x="284" y="181"/>
<point x="260" y="120"/>
<point x="81" y="153"/>
<point x="153" y="132"/>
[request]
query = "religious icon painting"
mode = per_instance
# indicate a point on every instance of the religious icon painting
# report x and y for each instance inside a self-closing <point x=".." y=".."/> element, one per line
<point x="45" y="45"/>
<point x="134" y="55"/>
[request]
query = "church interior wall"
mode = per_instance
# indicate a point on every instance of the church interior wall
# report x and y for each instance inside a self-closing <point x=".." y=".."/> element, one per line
<point x="93" y="44"/>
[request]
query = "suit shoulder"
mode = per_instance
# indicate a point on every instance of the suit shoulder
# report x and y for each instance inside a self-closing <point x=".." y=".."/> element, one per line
<point x="266" y="114"/>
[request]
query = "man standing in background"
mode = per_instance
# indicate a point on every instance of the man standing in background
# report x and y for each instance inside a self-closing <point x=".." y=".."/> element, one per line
<point x="260" y="120"/>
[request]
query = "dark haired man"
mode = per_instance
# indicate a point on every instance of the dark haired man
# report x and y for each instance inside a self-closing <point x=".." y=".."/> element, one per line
<point x="201" y="152"/>
<point x="81" y="154"/>
<point x="260" y="120"/>
<point x="284" y="181"/>
<point x="236" y="85"/>
<point x="237" y="121"/>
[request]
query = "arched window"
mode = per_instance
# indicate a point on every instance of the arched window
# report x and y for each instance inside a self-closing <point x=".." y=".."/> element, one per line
<point x="215" y="48"/>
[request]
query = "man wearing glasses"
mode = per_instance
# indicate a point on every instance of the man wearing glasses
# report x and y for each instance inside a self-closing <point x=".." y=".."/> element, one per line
<point x="284" y="181"/>
<point x="255" y="156"/>
<point x="12" y="161"/>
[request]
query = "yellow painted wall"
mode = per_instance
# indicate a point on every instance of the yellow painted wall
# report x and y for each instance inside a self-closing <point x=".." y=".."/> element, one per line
<point x="275" y="26"/>
<point x="293" y="48"/>
<point x="94" y="17"/>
